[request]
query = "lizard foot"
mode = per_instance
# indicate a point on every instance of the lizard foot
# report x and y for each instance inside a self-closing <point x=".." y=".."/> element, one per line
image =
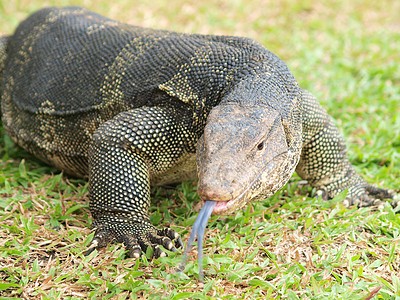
<point x="136" y="237"/>
<point x="369" y="195"/>
<point x="360" y="193"/>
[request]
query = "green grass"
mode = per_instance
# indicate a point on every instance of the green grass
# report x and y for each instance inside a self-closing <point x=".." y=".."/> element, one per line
<point x="291" y="246"/>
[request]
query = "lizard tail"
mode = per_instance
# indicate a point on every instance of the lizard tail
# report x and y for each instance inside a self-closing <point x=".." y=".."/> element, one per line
<point x="3" y="47"/>
<point x="3" y="55"/>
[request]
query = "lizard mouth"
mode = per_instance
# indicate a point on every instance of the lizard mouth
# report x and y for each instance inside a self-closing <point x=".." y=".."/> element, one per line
<point x="223" y="207"/>
<point x="226" y="207"/>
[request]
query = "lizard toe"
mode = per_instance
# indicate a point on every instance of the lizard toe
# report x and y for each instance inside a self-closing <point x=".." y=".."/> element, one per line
<point x="131" y="244"/>
<point x="173" y="235"/>
<point x="322" y="193"/>
<point x="93" y="246"/>
<point x="164" y="241"/>
<point x="158" y="252"/>
<point x="178" y="243"/>
<point x="101" y="239"/>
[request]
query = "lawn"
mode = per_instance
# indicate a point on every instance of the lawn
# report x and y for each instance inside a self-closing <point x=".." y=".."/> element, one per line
<point x="290" y="246"/>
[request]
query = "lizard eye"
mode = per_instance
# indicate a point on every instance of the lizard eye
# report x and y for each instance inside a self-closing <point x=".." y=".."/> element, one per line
<point x="260" y="146"/>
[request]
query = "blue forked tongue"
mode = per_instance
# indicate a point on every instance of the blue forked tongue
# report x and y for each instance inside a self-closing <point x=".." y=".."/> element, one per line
<point x="198" y="229"/>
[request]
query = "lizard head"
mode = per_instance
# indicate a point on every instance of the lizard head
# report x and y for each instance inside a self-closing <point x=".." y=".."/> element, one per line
<point x="243" y="155"/>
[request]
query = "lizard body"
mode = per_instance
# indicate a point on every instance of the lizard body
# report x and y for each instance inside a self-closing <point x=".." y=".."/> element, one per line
<point x="129" y="107"/>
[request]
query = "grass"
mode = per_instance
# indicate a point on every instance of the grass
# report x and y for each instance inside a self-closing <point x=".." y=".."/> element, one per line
<point x="291" y="246"/>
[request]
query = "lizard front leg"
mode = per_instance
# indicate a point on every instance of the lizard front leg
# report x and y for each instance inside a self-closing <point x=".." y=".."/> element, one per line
<point x="324" y="163"/>
<point x="124" y="153"/>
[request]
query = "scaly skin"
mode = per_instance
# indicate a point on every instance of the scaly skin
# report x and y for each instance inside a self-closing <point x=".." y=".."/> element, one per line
<point x="129" y="107"/>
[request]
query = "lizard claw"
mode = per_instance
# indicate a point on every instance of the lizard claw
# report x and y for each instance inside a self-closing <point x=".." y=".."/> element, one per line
<point x="137" y="238"/>
<point x="101" y="239"/>
<point x="93" y="245"/>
